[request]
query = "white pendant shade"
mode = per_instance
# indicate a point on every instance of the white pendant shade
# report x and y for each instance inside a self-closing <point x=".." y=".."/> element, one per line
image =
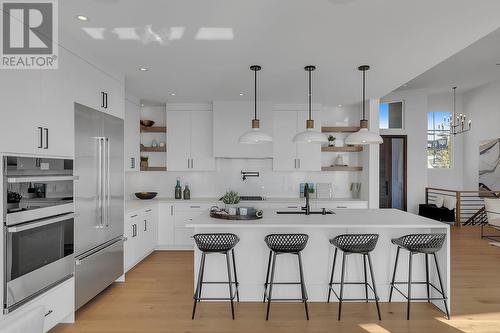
<point x="363" y="137"/>
<point x="310" y="136"/>
<point x="255" y="136"/>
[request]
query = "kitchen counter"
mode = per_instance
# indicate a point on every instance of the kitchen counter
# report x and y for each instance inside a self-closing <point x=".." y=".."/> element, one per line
<point x="136" y="204"/>
<point x="252" y="252"/>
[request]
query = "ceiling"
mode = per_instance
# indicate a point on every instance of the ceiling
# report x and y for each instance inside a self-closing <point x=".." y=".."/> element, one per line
<point x="201" y="49"/>
<point x="474" y="66"/>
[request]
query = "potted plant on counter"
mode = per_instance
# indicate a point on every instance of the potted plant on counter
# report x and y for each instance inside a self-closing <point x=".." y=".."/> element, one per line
<point x="231" y="199"/>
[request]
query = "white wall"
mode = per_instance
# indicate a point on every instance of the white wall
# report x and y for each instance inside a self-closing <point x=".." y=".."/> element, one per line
<point x="270" y="183"/>
<point x="482" y="105"/>
<point x="448" y="178"/>
<point x="415" y="127"/>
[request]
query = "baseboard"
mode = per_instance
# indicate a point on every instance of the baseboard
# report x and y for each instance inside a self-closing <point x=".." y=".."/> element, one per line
<point x="174" y="248"/>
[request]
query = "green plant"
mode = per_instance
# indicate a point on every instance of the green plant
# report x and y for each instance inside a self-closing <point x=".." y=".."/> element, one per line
<point x="231" y="198"/>
<point x="331" y="138"/>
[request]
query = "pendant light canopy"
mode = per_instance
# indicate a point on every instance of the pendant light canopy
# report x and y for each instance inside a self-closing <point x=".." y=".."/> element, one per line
<point x="310" y="135"/>
<point x="363" y="136"/>
<point x="255" y="135"/>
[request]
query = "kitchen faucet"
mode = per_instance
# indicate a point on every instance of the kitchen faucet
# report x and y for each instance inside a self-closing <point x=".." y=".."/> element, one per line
<point x="307" y="207"/>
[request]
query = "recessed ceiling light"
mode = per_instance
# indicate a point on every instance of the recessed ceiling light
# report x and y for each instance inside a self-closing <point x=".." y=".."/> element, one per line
<point x="340" y="105"/>
<point x="142" y="105"/>
<point x="143" y="69"/>
<point x="172" y="94"/>
<point x="241" y="94"/>
<point x="405" y="85"/>
<point x="82" y="18"/>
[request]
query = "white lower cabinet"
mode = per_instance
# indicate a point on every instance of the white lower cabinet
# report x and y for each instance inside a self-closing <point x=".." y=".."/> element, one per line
<point x="58" y="304"/>
<point x="141" y="231"/>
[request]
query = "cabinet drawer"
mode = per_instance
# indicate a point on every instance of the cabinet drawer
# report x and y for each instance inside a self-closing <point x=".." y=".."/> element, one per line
<point x="57" y="302"/>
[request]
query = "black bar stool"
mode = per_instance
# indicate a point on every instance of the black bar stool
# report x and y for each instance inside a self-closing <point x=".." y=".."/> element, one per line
<point x="222" y="244"/>
<point x="426" y="244"/>
<point x="354" y="244"/>
<point x="283" y="244"/>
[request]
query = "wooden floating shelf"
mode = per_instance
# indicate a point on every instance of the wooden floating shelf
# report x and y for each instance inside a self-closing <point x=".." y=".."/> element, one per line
<point x="347" y="149"/>
<point x="151" y="168"/>
<point x="339" y="129"/>
<point x="154" y="129"/>
<point x="342" y="168"/>
<point x="154" y="149"/>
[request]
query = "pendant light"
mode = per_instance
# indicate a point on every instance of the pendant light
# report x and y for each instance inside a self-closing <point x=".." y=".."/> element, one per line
<point x="255" y="135"/>
<point x="363" y="136"/>
<point x="310" y="135"/>
<point x="458" y="123"/>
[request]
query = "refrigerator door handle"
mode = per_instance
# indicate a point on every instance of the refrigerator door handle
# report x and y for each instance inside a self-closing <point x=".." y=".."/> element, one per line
<point x="98" y="251"/>
<point x="99" y="182"/>
<point x="108" y="187"/>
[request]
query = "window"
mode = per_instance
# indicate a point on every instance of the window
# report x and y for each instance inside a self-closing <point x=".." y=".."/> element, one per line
<point x="391" y="115"/>
<point x="438" y="140"/>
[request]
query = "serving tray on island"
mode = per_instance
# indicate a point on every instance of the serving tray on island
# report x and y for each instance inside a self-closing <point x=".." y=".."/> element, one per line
<point x="225" y="216"/>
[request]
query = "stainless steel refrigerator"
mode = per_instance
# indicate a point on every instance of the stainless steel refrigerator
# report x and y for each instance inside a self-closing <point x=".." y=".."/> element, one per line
<point x="99" y="203"/>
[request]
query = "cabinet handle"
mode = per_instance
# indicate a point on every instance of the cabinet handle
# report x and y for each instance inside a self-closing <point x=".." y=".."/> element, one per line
<point x="341" y="206"/>
<point x="292" y="207"/>
<point x="106" y="100"/>
<point x="298" y="160"/>
<point x="171" y="210"/>
<point x="134" y="230"/>
<point x="145" y="225"/>
<point x="194" y="206"/>
<point x="132" y="163"/>
<point x="148" y="210"/>
<point x="188" y="162"/>
<point x="192" y="163"/>
<point x="102" y="99"/>
<point x="135" y="215"/>
<point x="48" y="313"/>
<point x="40" y="139"/>
<point x="46" y="138"/>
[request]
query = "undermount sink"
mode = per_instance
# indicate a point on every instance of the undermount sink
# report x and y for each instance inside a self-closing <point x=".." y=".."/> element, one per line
<point x="303" y="212"/>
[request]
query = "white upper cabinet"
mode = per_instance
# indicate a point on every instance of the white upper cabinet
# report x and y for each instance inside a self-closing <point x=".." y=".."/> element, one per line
<point x="231" y="120"/>
<point x="132" y="133"/>
<point x="290" y="156"/>
<point x="37" y="112"/>
<point x="190" y="135"/>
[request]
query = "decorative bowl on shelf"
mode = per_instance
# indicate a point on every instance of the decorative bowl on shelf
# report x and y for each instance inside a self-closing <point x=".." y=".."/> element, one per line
<point x="145" y="195"/>
<point x="147" y="123"/>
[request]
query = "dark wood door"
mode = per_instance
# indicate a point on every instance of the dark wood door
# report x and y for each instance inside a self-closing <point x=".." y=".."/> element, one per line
<point x="392" y="183"/>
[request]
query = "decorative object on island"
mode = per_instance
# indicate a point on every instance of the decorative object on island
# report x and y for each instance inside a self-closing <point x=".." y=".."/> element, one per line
<point x="251" y="214"/>
<point x="356" y="190"/>
<point x="147" y="123"/>
<point x="310" y="135"/>
<point x="255" y="135"/>
<point x="363" y="136"/>
<point x="331" y="141"/>
<point x="187" y="192"/>
<point x="178" y="189"/>
<point x="457" y="123"/>
<point x="231" y="199"/>
<point x="145" y="195"/>
<point x="144" y="161"/>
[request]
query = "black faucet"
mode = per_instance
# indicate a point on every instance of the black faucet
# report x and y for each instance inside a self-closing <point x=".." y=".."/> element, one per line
<point x="307" y="207"/>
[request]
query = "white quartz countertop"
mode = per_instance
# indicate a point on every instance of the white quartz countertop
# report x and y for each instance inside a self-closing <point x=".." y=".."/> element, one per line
<point x="343" y="218"/>
<point x="132" y="205"/>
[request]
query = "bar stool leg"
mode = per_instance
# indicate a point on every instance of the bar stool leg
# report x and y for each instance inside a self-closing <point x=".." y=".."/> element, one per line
<point x="366" y="278"/>
<point x="230" y="283"/>
<point x="410" y="256"/>
<point x="267" y="276"/>
<point x="235" y="277"/>
<point x="441" y="285"/>
<point x="373" y="285"/>
<point x="197" y="293"/>
<point x="342" y="284"/>
<point x="271" y="286"/>
<point x="394" y="274"/>
<point x="331" y="277"/>
<point x="427" y="277"/>
<point x="302" y="285"/>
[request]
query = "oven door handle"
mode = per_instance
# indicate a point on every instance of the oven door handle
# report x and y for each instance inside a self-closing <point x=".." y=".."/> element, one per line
<point x="40" y="179"/>
<point x="40" y="223"/>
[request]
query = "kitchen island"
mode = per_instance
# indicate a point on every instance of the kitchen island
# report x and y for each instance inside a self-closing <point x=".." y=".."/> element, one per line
<point x="252" y="253"/>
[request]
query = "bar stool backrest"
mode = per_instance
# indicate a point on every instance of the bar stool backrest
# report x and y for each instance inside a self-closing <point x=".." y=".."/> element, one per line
<point x="289" y="243"/>
<point x="221" y="242"/>
<point x="425" y="243"/>
<point x="360" y="243"/>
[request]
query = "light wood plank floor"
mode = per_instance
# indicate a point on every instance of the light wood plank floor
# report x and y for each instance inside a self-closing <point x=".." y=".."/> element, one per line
<point x="157" y="297"/>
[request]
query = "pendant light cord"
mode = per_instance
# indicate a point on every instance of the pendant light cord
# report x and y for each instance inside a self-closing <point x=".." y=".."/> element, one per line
<point x="454" y="104"/>
<point x="310" y="95"/>
<point x="255" y="96"/>
<point x="364" y="95"/>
